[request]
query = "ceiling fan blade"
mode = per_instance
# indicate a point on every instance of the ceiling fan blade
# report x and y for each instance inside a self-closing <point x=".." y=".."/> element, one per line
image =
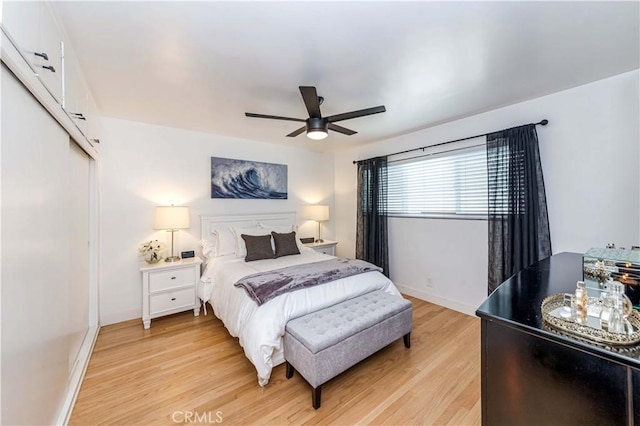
<point x="310" y="98"/>
<point x="356" y="114"/>
<point x="273" y="117"/>
<point x="297" y="132"/>
<point x="341" y="129"/>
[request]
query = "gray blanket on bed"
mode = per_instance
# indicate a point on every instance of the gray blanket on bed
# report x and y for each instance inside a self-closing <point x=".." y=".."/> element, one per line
<point x="264" y="286"/>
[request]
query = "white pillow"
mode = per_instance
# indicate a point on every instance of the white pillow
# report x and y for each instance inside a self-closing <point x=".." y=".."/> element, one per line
<point x="283" y="229"/>
<point x="241" y="247"/>
<point x="221" y="242"/>
<point x="209" y="247"/>
<point x="226" y="242"/>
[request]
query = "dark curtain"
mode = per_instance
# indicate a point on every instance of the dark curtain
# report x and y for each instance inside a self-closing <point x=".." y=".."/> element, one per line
<point x="518" y="219"/>
<point x="371" y="234"/>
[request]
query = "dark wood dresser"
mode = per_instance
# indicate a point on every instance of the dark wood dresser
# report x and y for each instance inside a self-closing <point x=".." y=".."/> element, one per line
<point x="534" y="375"/>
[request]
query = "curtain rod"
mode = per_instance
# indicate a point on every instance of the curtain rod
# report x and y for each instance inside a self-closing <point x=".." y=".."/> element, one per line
<point x="541" y="123"/>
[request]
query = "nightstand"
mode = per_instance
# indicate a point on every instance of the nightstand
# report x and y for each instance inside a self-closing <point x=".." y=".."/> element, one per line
<point x="169" y="287"/>
<point x="326" y="247"/>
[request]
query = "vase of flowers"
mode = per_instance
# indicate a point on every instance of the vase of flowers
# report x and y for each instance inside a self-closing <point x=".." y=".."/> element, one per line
<point x="152" y="251"/>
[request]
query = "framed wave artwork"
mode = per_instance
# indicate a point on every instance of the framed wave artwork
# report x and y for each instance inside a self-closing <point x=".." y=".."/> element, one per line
<point x="232" y="178"/>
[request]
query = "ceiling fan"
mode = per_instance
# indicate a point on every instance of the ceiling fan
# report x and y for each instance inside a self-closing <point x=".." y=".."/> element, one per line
<point x="317" y="126"/>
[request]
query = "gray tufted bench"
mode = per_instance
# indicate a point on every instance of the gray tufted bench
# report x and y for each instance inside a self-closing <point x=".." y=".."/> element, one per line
<point x="325" y="343"/>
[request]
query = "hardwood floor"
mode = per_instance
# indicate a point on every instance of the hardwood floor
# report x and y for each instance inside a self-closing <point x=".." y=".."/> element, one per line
<point x="187" y="370"/>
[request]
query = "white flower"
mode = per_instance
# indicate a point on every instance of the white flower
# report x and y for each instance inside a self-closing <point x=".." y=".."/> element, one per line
<point x="154" y="246"/>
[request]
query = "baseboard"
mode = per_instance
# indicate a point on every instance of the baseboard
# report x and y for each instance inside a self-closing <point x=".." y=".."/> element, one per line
<point x="442" y="301"/>
<point x="119" y="317"/>
<point x="76" y="376"/>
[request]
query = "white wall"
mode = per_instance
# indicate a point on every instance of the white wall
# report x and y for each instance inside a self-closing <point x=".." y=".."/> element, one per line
<point x="145" y="165"/>
<point x="589" y="150"/>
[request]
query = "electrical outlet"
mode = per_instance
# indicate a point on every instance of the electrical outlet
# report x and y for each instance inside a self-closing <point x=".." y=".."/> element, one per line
<point x="429" y="282"/>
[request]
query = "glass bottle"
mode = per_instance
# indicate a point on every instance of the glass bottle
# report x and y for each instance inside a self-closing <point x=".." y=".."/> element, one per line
<point x="605" y="313"/>
<point x="581" y="299"/>
<point x="620" y="300"/>
<point x="616" y="322"/>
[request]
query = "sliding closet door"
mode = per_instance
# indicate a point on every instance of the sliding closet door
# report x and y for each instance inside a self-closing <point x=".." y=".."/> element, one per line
<point x="79" y="198"/>
<point x="34" y="258"/>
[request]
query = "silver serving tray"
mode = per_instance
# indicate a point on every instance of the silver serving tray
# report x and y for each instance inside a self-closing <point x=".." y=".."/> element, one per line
<point x="555" y="313"/>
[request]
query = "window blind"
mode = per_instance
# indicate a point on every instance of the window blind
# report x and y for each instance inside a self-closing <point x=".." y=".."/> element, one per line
<point x="446" y="184"/>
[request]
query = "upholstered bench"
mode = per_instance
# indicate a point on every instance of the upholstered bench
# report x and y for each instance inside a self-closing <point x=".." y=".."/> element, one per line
<point x="325" y="343"/>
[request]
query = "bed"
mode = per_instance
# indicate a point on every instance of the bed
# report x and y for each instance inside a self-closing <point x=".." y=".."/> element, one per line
<point x="260" y="329"/>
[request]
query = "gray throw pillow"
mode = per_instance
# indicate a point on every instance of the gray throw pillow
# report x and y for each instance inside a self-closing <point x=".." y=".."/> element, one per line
<point x="285" y="244"/>
<point x="258" y="247"/>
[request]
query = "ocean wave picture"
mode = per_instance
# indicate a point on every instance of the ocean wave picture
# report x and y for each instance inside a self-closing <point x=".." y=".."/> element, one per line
<point x="247" y="179"/>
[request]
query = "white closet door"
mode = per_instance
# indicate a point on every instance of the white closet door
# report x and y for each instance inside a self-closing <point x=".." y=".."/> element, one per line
<point x="79" y="169"/>
<point x="34" y="258"/>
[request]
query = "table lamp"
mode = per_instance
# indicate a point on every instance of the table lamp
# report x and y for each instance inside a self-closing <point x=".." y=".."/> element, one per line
<point x="319" y="213"/>
<point x="171" y="219"/>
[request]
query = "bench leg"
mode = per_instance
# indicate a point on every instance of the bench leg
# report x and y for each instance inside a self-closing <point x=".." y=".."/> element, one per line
<point x="315" y="397"/>
<point x="407" y="340"/>
<point x="290" y="369"/>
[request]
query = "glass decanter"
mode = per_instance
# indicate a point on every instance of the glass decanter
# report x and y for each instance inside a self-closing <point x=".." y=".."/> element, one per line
<point x="620" y="300"/>
<point x="616" y="307"/>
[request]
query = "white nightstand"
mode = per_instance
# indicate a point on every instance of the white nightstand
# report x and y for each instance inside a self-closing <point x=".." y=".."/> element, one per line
<point x="169" y="287"/>
<point x="326" y="247"/>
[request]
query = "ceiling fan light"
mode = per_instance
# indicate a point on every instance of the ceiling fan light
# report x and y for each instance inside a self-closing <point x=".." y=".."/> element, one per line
<point x="316" y="134"/>
<point x="317" y="128"/>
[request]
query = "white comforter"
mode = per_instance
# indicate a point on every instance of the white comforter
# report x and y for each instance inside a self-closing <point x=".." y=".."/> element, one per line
<point x="260" y="328"/>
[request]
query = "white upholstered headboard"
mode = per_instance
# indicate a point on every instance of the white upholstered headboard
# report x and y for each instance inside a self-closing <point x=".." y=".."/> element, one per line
<point x="209" y="223"/>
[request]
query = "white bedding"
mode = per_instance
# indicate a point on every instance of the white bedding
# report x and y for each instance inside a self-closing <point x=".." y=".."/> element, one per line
<point x="260" y="328"/>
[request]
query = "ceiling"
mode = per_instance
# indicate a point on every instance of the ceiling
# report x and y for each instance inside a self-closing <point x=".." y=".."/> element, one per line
<point x="201" y="65"/>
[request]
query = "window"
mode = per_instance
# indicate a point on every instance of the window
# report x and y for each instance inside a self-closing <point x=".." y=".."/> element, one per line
<point x="446" y="184"/>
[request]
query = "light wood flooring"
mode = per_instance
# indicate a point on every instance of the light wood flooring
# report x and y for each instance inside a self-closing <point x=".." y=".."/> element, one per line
<point x="187" y="370"/>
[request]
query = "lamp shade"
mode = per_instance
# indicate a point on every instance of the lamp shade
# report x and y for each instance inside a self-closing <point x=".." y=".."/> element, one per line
<point x="316" y="212"/>
<point x="171" y="217"/>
